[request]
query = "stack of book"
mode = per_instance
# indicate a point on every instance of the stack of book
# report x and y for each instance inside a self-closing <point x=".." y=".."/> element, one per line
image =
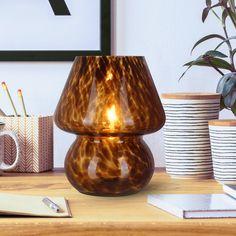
<point x="189" y="206"/>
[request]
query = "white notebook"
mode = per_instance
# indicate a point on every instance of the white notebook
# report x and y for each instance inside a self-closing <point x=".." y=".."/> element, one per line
<point x="230" y="189"/>
<point x="27" y="205"/>
<point x="195" y="205"/>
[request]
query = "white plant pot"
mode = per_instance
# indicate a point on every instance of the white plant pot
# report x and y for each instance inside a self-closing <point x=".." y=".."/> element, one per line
<point x="186" y="134"/>
<point x="223" y="147"/>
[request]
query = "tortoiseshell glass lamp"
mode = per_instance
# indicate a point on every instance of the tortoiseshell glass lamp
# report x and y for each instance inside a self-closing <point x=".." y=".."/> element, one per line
<point x="109" y="103"/>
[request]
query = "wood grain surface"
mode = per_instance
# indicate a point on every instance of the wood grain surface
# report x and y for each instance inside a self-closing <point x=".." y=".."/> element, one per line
<point x="222" y="122"/>
<point x="191" y="96"/>
<point x="130" y="215"/>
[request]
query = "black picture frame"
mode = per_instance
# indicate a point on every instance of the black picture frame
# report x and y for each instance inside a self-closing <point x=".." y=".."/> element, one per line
<point x="40" y="55"/>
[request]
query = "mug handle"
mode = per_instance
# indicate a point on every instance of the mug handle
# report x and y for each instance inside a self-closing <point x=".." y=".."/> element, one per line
<point x="3" y="165"/>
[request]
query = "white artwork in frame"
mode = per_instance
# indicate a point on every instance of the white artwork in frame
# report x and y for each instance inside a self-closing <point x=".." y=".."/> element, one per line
<point x="53" y="29"/>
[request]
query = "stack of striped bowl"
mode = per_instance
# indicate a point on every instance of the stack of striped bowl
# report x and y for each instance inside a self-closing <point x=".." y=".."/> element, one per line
<point x="186" y="134"/>
<point x="223" y="147"/>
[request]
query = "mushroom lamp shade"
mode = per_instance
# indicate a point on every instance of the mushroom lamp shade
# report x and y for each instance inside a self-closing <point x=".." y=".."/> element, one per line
<point x="109" y="102"/>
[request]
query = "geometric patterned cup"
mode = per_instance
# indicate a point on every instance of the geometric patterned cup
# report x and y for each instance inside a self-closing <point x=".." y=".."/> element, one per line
<point x="35" y="135"/>
<point x="186" y="134"/>
<point x="223" y="147"/>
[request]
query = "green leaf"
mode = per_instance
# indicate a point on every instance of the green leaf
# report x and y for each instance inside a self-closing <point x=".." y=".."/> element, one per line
<point x="218" y="4"/>
<point x="211" y="36"/>
<point x="233" y="101"/>
<point x="224" y="16"/>
<point x="189" y="64"/>
<point x="222" y="104"/>
<point x="208" y="3"/>
<point x="222" y="64"/>
<point x="233" y="109"/>
<point x="210" y="8"/>
<point x="184" y="73"/>
<point x="234" y="51"/>
<point x="214" y="53"/>
<point x="205" y="13"/>
<point x="232" y="16"/>
<point x="217" y="62"/>
<point x="229" y="86"/>
<point x="226" y="40"/>
<point x="198" y="62"/>
<point x="223" y="3"/>
<point x="232" y="5"/>
<point x="227" y="101"/>
<point x="222" y="82"/>
<point x="216" y="15"/>
<point x="230" y="100"/>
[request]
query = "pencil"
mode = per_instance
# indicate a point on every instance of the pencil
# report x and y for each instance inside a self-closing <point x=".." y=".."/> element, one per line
<point x="9" y="96"/>
<point x="20" y="95"/>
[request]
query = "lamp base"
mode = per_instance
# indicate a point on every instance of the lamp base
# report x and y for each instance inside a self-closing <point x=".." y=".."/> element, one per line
<point x="109" y="166"/>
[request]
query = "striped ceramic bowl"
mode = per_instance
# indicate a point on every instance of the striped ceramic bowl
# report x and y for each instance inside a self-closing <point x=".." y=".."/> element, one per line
<point x="223" y="147"/>
<point x="186" y="135"/>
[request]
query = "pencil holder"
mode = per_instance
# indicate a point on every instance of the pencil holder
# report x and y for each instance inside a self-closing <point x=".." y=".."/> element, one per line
<point x="35" y="134"/>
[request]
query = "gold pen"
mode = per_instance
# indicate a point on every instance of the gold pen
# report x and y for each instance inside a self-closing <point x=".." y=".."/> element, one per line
<point x="51" y="205"/>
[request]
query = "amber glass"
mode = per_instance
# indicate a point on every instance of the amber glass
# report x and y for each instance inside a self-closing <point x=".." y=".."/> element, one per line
<point x="109" y="102"/>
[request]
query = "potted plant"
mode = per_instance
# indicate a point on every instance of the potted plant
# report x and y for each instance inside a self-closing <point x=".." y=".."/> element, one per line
<point x="222" y="132"/>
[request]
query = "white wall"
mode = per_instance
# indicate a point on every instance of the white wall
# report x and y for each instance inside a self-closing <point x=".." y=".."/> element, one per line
<point x="162" y="31"/>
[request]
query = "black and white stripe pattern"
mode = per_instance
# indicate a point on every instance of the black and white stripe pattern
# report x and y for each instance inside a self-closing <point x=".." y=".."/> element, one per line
<point x="223" y="146"/>
<point x="186" y="134"/>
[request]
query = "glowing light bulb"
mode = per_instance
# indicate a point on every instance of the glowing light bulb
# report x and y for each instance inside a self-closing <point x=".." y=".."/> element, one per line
<point x="112" y="117"/>
<point x="109" y="76"/>
<point x="111" y="114"/>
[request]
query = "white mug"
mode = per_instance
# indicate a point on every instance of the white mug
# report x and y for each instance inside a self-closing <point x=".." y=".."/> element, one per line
<point x="3" y="165"/>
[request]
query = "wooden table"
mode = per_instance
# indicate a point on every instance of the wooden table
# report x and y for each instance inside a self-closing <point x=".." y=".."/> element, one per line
<point x="118" y="216"/>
